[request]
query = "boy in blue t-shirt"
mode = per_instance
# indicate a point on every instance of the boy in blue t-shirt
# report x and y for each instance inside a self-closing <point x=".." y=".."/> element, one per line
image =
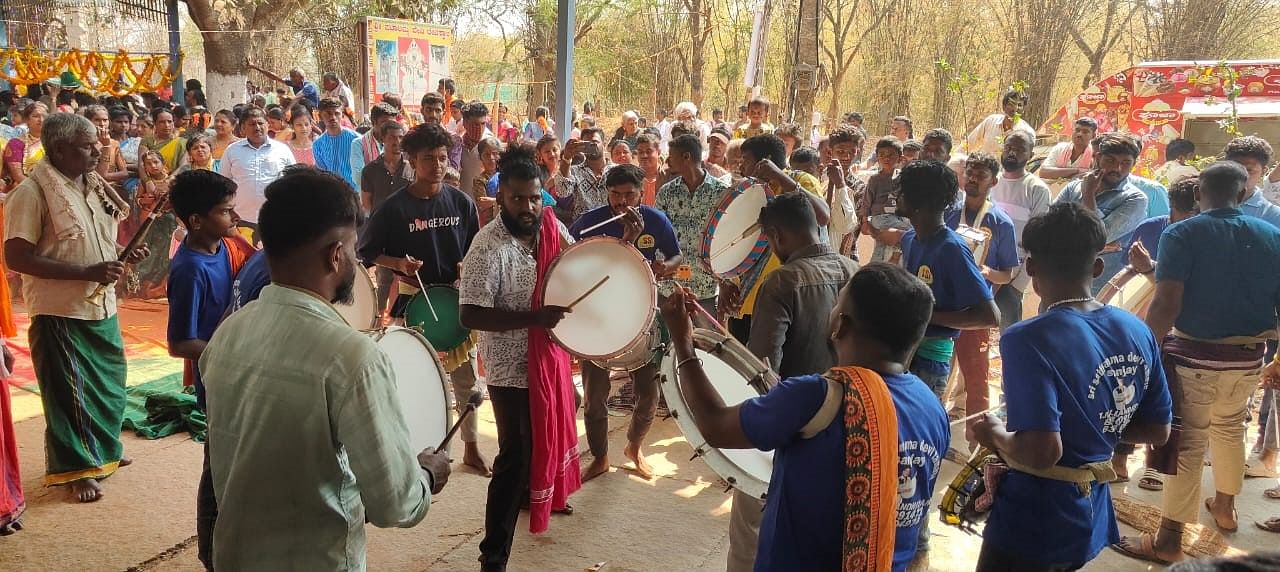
<point x="940" y="258"/>
<point x="1079" y="378"/>
<point x="649" y="230"/>
<point x="972" y="347"/>
<point x="199" y="287"/>
<point x="880" y="316"/>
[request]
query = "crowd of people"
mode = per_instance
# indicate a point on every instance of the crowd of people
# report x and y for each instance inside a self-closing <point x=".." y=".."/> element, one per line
<point x="282" y="200"/>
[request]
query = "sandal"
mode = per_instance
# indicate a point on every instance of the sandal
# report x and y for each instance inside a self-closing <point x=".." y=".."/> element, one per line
<point x="1272" y="493"/>
<point x="1269" y="525"/>
<point x="1151" y="480"/>
<point x="1146" y="549"/>
<point x="1208" y="505"/>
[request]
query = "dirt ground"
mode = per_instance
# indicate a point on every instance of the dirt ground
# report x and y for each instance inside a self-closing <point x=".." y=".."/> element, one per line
<point x="677" y="522"/>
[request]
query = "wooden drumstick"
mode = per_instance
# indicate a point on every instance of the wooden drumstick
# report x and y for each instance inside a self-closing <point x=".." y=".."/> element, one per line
<point x="473" y="403"/>
<point x="422" y="287"/>
<point x="595" y="226"/>
<point x="589" y="292"/>
<point x="746" y="233"/>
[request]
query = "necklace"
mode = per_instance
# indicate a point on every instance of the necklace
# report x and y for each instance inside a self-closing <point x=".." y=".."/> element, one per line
<point x="1067" y="301"/>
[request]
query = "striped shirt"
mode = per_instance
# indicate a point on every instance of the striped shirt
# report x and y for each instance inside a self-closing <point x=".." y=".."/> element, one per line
<point x="333" y="154"/>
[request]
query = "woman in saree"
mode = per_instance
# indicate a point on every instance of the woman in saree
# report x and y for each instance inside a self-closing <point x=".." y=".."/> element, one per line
<point x="224" y="134"/>
<point x="22" y="153"/>
<point x="147" y="279"/>
<point x="111" y="164"/>
<point x="166" y="141"/>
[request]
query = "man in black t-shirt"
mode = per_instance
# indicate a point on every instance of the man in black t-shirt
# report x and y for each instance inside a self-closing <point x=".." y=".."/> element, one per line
<point x="422" y="232"/>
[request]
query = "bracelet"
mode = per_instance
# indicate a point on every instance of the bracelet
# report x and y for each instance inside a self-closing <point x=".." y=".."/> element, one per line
<point x="687" y="360"/>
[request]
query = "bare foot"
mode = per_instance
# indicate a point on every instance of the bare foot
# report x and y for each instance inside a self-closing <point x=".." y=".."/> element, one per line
<point x="86" y="490"/>
<point x="597" y="467"/>
<point x="642" y="466"/>
<point x="125" y="461"/>
<point x="1120" y="463"/>
<point x="471" y="457"/>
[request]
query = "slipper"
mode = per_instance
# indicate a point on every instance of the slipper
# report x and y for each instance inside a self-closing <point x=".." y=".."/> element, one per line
<point x="1272" y="493"/>
<point x="1259" y="471"/>
<point x="1120" y="479"/>
<point x="1269" y="525"/>
<point x="1208" y="504"/>
<point x="1151" y="480"/>
<point x="1146" y="549"/>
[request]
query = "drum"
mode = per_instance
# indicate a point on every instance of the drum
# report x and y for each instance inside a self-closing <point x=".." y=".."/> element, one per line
<point x="733" y="241"/>
<point x="438" y="321"/>
<point x="363" y="312"/>
<point x="621" y="297"/>
<point x="977" y="240"/>
<point x="641" y="353"/>
<point x="421" y="384"/>
<point x="1129" y="290"/>
<point x="737" y="376"/>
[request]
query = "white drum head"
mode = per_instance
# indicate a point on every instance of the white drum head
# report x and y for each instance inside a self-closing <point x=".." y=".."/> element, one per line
<point x="362" y="312"/>
<point x="606" y="322"/>
<point x="421" y="385"/>
<point x="737" y="376"/>
<point x="728" y="247"/>
<point x="1130" y="291"/>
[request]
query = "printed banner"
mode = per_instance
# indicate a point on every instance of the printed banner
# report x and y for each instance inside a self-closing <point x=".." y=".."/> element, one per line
<point x="404" y="57"/>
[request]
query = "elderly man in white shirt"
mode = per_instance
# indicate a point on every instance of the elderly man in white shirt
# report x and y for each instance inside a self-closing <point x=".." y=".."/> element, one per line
<point x="253" y="163"/>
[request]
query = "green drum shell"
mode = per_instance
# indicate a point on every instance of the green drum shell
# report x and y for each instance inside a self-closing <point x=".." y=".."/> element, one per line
<point x="447" y="332"/>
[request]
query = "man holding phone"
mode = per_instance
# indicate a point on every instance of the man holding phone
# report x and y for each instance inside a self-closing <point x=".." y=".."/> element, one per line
<point x="581" y="185"/>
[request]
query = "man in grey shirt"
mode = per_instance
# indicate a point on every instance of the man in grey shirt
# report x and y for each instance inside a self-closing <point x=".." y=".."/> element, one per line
<point x="789" y="326"/>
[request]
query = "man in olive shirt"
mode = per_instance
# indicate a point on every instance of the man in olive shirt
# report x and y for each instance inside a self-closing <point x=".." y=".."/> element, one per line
<point x="307" y="442"/>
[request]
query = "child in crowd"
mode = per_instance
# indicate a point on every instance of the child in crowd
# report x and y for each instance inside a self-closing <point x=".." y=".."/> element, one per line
<point x="1179" y="151"/>
<point x="199" y="290"/>
<point x="910" y="152"/>
<point x="805" y="158"/>
<point x="757" y="112"/>
<point x="879" y="208"/>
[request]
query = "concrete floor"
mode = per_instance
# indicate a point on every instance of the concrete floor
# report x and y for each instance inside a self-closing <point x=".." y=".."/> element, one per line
<point x="676" y="522"/>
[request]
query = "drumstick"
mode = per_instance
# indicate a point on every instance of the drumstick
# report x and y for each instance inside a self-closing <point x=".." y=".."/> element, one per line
<point x="976" y="415"/>
<point x="595" y="226"/>
<point x="588" y="292"/>
<point x="1275" y="421"/>
<point x="473" y="402"/>
<point x="702" y="311"/>
<point x="423" y="288"/>
<point x="746" y="233"/>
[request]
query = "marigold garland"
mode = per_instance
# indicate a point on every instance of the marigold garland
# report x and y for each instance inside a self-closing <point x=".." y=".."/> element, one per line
<point x="113" y="74"/>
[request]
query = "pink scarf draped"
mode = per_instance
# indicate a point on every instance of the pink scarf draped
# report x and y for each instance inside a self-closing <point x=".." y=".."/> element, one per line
<point x="553" y="474"/>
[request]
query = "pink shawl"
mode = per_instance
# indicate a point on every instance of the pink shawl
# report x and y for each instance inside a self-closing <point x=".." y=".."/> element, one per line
<point x="553" y="475"/>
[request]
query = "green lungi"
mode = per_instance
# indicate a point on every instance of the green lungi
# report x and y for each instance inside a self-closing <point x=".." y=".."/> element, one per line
<point x="81" y="371"/>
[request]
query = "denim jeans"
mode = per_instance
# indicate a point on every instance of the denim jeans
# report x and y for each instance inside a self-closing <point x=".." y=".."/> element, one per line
<point x="933" y="373"/>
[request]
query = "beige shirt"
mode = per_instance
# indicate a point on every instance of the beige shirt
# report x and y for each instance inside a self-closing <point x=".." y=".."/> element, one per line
<point x="26" y="216"/>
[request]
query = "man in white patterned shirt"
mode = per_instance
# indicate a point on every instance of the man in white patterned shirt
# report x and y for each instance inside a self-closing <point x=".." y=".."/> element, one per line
<point x="498" y="277"/>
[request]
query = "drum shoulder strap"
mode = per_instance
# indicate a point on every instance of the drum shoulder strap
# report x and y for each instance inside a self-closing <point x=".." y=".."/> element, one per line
<point x="827" y="412"/>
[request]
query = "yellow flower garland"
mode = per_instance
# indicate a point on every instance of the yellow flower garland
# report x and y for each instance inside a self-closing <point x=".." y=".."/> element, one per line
<point x="97" y="71"/>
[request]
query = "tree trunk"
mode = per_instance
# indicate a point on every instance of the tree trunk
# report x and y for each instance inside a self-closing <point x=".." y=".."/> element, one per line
<point x="697" y="59"/>
<point x="805" y="75"/>
<point x="224" y="56"/>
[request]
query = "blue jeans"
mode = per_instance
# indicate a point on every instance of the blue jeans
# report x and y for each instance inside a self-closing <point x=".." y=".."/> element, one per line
<point x="934" y="373"/>
<point x="1009" y="300"/>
